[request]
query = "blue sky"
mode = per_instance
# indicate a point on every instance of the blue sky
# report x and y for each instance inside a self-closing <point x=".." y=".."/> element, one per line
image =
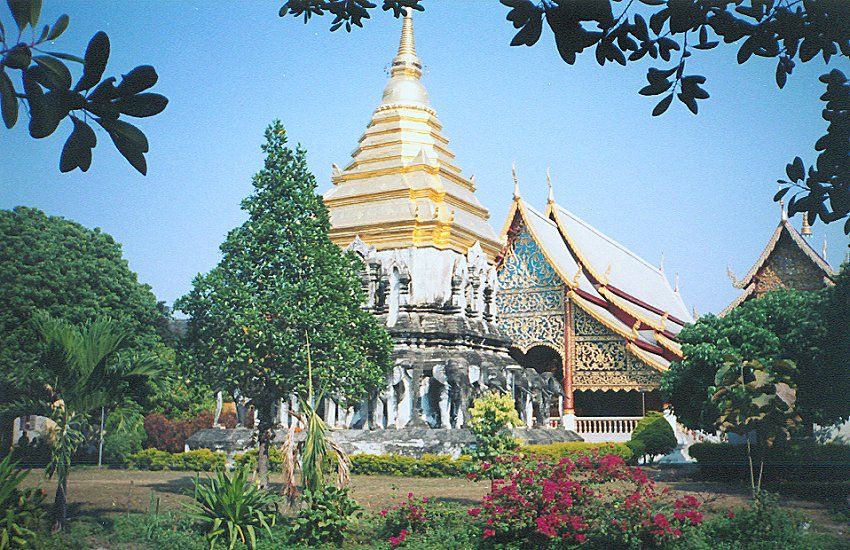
<point x="697" y="189"/>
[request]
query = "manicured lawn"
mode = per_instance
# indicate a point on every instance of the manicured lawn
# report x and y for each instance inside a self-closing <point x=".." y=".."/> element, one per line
<point x="100" y="495"/>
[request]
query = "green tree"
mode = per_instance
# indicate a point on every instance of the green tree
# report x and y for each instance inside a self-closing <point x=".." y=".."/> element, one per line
<point x="758" y="403"/>
<point x="280" y="279"/>
<point x="57" y="266"/>
<point x="81" y="372"/>
<point x="672" y="33"/>
<point x="653" y="436"/>
<point x="803" y="327"/>
<point x="45" y="89"/>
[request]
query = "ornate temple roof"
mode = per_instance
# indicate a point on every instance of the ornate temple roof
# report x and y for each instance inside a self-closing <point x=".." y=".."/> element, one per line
<point x="641" y="326"/>
<point x="787" y="261"/>
<point x="402" y="187"/>
<point x="626" y="279"/>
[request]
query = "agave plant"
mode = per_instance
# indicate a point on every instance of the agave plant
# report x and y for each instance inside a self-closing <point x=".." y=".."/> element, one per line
<point x="230" y="507"/>
<point x="317" y="453"/>
<point x="21" y="508"/>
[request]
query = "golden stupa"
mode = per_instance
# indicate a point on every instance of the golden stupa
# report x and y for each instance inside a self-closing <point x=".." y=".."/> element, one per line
<point x="402" y="188"/>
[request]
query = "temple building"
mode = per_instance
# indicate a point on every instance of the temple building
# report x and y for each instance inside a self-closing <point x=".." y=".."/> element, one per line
<point x="583" y="307"/>
<point x="577" y="328"/>
<point x="428" y="249"/>
<point x="787" y="261"/>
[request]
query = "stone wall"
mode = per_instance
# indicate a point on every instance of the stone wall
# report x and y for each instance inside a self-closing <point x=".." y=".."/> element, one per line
<point x="407" y="442"/>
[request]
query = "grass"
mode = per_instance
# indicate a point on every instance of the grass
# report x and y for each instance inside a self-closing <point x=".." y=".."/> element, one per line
<point x="99" y="497"/>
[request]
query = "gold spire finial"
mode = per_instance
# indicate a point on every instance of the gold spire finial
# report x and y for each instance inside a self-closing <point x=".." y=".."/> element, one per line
<point x="406" y="61"/>
<point x="806" y="230"/>
<point x="551" y="198"/>
<point x="516" y="181"/>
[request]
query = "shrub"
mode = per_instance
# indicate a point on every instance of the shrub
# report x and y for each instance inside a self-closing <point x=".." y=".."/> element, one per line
<point x="406" y="466"/>
<point x="149" y="459"/>
<point x="654" y="434"/>
<point x="325" y="516"/>
<point x="760" y="525"/>
<point x="409" y="517"/>
<point x="32" y="454"/>
<point x="22" y="511"/>
<point x="574" y="449"/>
<point x="170" y="435"/>
<point x="492" y="415"/>
<point x="249" y="459"/>
<point x="199" y="460"/>
<point x="230" y="507"/>
<point x="799" y="460"/>
<point x="598" y="501"/>
<point x="124" y="435"/>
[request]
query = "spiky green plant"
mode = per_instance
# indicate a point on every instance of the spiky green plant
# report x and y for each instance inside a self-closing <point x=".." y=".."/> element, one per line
<point x="318" y="452"/>
<point x="20" y="509"/>
<point x="230" y="507"/>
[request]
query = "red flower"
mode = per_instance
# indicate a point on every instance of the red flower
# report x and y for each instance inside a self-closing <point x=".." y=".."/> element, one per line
<point x="489" y="533"/>
<point x="474" y="512"/>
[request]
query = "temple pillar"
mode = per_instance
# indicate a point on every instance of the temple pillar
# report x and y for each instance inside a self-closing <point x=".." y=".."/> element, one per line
<point x="569" y="399"/>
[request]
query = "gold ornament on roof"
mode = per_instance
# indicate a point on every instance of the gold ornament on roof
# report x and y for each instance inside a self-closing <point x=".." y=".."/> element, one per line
<point x="806" y="230"/>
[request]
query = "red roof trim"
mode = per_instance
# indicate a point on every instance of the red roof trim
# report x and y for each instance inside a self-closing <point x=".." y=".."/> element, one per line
<point x="641" y="303"/>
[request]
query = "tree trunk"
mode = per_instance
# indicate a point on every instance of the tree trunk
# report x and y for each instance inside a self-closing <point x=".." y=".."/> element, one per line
<point x="60" y="505"/>
<point x="265" y="434"/>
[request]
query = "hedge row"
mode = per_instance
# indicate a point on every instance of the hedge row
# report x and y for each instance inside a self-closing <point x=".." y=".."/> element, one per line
<point x="201" y="460"/>
<point x="790" y="463"/>
<point x="406" y="466"/>
<point x="557" y="451"/>
<point x="428" y="465"/>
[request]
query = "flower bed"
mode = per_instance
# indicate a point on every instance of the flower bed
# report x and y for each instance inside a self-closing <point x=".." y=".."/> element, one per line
<point x="597" y="500"/>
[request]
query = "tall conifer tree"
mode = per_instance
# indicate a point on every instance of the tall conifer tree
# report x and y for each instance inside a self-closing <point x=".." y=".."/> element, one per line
<point x="281" y="279"/>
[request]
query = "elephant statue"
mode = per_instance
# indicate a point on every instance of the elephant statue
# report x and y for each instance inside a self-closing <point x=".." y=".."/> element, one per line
<point x="553" y="391"/>
<point x="536" y="389"/>
<point x="493" y="378"/>
<point x="460" y="392"/>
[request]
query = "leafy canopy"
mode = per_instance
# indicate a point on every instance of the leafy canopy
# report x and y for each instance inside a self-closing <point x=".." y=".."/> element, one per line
<point x="807" y="328"/>
<point x="671" y="33"/>
<point x="280" y="279"/>
<point x="58" y="267"/>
